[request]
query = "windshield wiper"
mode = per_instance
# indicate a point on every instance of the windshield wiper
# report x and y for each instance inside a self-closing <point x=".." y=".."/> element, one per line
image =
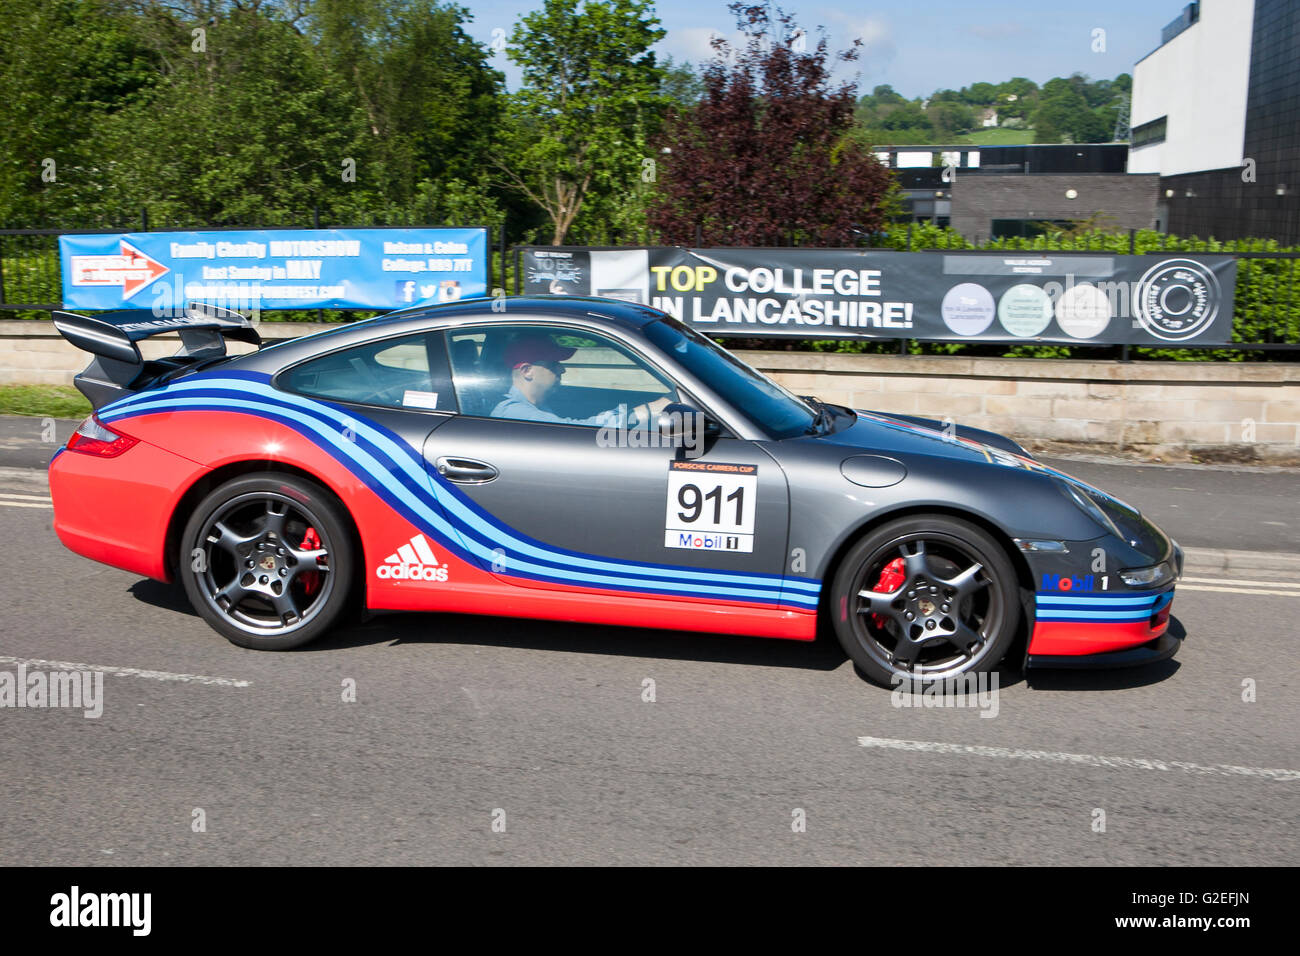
<point x="822" y="423"/>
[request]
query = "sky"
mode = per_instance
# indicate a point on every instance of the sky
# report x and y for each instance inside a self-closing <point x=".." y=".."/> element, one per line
<point x="917" y="46"/>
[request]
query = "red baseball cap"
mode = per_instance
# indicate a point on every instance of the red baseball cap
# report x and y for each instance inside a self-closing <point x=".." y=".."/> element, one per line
<point x="533" y="348"/>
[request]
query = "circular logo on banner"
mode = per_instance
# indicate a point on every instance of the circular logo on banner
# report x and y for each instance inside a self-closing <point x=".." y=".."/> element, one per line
<point x="968" y="309"/>
<point x="1025" y="310"/>
<point x="1083" y="311"/>
<point x="1177" y="299"/>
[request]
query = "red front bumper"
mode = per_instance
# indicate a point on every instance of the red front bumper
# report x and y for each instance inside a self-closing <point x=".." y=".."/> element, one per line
<point x="1096" y="641"/>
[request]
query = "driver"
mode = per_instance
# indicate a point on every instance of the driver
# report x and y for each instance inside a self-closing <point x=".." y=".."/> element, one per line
<point x="534" y="363"/>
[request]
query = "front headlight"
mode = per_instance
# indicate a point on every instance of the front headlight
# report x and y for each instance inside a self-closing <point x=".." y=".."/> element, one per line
<point x="1151" y="577"/>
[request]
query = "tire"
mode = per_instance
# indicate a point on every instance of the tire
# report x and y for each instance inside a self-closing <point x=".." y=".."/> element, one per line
<point x="963" y="618"/>
<point x="252" y="569"/>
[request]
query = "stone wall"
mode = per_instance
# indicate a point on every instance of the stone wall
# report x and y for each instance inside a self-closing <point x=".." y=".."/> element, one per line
<point x="1172" y="411"/>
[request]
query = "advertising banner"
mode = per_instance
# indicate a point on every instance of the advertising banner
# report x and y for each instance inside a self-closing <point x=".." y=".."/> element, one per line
<point x="993" y="296"/>
<point x="274" y="268"/>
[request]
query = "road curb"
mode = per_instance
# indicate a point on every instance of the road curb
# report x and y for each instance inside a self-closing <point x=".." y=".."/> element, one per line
<point x="25" y="480"/>
<point x="1223" y="561"/>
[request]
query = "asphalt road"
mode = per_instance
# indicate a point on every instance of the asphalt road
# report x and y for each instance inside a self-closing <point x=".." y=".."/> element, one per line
<point x="457" y="718"/>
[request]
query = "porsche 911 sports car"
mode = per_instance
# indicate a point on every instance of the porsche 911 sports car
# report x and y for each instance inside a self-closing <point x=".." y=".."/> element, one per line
<point x="590" y="460"/>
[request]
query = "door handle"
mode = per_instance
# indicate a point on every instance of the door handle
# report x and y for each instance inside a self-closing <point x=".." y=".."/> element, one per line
<point x="467" y="470"/>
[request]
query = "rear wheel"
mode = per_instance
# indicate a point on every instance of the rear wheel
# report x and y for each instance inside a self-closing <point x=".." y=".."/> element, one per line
<point x="267" y="561"/>
<point x="924" y="598"/>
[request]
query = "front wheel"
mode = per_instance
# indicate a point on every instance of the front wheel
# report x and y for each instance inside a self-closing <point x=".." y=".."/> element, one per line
<point x="267" y="560"/>
<point x="924" y="598"/>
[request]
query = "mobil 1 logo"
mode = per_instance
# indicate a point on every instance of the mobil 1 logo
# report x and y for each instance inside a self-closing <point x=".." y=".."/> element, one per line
<point x="711" y="506"/>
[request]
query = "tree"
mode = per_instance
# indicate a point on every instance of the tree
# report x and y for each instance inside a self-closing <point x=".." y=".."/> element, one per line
<point x="250" y="127"/>
<point x="427" y="96"/>
<point x="981" y="94"/>
<point x="1017" y="98"/>
<point x="1059" y="107"/>
<point x="681" y="84"/>
<point x="885" y="94"/>
<point x="591" y="97"/>
<point x="767" y="153"/>
<point x="951" y="117"/>
<point x="907" y="116"/>
<point x="68" y="66"/>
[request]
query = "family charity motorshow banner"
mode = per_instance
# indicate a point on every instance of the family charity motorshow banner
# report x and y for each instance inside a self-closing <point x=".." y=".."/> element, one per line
<point x="274" y="268"/>
<point x="994" y="296"/>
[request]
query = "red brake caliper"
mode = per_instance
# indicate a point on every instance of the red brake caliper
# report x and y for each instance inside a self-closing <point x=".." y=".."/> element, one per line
<point x="310" y="579"/>
<point x="892" y="577"/>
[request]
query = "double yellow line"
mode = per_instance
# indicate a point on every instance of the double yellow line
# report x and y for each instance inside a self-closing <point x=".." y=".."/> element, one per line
<point x="1234" y="586"/>
<point x="25" y="501"/>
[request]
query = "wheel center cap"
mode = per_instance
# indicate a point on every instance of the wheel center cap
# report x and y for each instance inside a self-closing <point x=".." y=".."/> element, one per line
<point x="267" y="563"/>
<point x="925" y="607"/>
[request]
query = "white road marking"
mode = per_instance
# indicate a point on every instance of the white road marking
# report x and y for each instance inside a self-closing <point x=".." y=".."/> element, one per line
<point x="4" y="494"/>
<point x="1086" y="760"/>
<point x="127" y="672"/>
<point x="1262" y="584"/>
<point x="1206" y="587"/>
<point x="24" y="504"/>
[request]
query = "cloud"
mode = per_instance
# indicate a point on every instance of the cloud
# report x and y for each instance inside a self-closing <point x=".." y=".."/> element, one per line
<point x="692" y="43"/>
<point x="878" y="48"/>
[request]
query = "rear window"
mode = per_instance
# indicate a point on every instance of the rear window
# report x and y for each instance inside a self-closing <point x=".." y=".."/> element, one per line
<point x="408" y="373"/>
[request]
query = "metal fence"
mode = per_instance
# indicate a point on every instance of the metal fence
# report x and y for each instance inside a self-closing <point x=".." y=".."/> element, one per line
<point x="1266" y="315"/>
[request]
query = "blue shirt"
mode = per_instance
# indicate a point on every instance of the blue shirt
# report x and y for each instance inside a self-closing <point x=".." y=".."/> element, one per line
<point x="516" y="406"/>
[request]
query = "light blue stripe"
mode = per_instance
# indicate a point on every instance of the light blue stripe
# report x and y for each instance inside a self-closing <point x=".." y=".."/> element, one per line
<point x="401" y="455"/>
<point x="1054" y="601"/>
<point x="1050" y="615"/>
<point x="695" y="587"/>
<point x="404" y="456"/>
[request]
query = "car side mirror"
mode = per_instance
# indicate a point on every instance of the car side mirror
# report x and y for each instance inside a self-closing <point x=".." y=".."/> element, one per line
<point x="680" y="422"/>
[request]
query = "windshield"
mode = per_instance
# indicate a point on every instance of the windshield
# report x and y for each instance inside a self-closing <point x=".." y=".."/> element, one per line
<point x="760" y="399"/>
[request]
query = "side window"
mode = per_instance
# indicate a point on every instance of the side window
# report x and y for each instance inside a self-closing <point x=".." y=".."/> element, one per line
<point x="549" y="373"/>
<point x="409" y="372"/>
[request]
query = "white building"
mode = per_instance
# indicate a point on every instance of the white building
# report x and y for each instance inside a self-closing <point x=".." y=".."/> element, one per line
<point x="1189" y="95"/>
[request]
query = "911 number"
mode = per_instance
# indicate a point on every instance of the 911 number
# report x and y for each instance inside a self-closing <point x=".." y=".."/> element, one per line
<point x="692" y="500"/>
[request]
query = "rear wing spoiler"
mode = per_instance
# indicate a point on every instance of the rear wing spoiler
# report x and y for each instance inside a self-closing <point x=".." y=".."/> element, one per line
<point x="112" y="335"/>
<point x="118" y="367"/>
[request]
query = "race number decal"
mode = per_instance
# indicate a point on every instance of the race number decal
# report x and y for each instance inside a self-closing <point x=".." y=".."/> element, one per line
<point x="711" y="506"/>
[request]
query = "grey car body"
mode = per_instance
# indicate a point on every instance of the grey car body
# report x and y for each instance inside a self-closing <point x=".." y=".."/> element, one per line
<point x="820" y="491"/>
<point x="824" y="503"/>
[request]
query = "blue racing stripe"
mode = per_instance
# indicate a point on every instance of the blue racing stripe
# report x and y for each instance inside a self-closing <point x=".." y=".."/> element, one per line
<point x="412" y="466"/>
<point x="390" y="468"/>
<point x="1119" y="606"/>
<point x="1050" y="615"/>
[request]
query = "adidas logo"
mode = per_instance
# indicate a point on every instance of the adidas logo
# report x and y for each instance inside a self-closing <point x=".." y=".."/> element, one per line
<point x="414" y="561"/>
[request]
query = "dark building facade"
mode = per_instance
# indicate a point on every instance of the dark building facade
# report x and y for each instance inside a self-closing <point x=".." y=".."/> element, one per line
<point x="994" y="191"/>
<point x="994" y="205"/>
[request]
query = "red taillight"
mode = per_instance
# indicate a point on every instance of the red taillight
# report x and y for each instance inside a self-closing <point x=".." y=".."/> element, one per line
<point x="92" y="438"/>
